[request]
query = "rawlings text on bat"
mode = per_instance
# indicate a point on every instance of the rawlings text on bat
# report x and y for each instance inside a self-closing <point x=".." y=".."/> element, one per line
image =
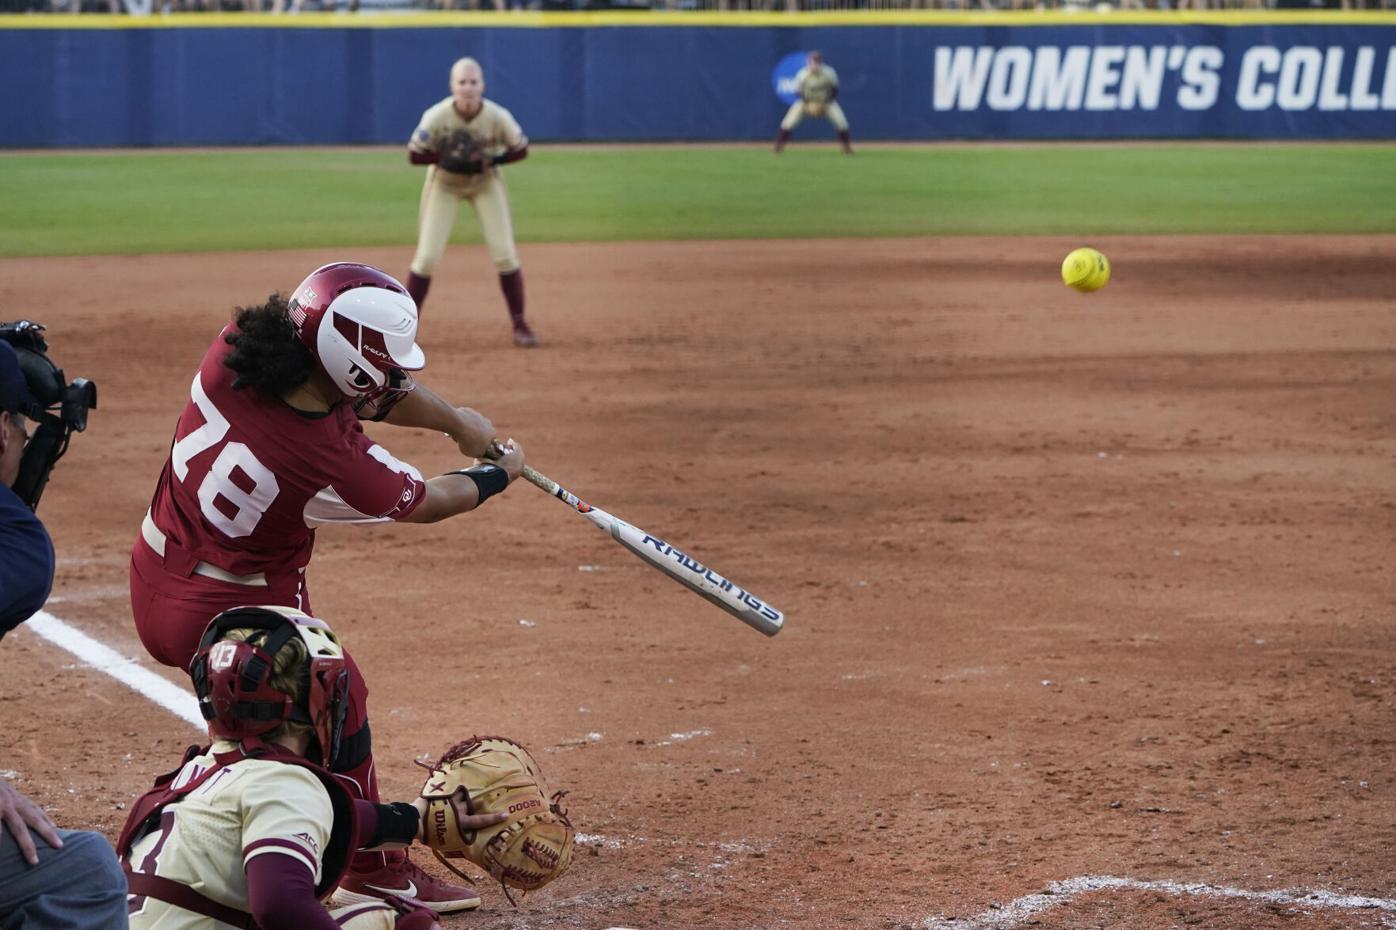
<point x="686" y="570"/>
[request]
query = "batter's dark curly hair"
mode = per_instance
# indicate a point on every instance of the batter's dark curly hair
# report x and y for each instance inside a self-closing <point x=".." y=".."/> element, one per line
<point x="267" y="355"/>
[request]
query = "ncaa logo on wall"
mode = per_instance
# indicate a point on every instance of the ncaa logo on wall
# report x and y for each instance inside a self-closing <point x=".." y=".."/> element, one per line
<point x="783" y="76"/>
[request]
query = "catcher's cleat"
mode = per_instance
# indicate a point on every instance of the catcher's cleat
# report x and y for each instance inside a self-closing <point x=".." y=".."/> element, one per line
<point x="403" y="878"/>
<point x="524" y="337"/>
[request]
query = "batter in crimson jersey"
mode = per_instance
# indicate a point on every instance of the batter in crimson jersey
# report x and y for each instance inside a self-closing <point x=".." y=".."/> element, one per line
<point x="269" y="447"/>
<point x="248" y="481"/>
<point x="818" y="85"/>
<point x="498" y="134"/>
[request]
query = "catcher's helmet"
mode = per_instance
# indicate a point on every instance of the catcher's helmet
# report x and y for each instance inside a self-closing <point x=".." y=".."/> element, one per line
<point x="361" y="326"/>
<point x="233" y="678"/>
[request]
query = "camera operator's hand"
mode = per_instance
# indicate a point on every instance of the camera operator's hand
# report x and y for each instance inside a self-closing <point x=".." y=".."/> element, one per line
<point x="22" y="815"/>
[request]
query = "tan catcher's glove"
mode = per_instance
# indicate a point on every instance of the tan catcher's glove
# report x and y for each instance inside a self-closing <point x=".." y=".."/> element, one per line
<point x="493" y="774"/>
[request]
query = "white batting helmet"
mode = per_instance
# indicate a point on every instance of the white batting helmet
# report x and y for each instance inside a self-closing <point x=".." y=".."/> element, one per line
<point x="361" y="326"/>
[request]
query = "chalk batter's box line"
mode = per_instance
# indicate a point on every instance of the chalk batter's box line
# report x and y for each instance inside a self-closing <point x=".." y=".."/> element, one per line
<point x="1030" y="907"/>
<point x="96" y="655"/>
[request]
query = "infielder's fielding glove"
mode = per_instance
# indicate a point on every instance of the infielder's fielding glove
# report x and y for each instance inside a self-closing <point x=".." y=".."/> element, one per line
<point x="462" y="154"/>
<point x="497" y="775"/>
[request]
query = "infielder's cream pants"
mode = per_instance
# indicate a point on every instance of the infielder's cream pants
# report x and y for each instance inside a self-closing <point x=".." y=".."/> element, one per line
<point x="440" y="201"/>
<point x="798" y="111"/>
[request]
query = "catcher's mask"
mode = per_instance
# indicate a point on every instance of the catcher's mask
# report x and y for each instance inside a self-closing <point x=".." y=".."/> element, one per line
<point x="233" y="678"/>
<point x="360" y="325"/>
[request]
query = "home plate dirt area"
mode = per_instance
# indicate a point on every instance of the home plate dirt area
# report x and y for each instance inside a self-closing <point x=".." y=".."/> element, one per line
<point x="1090" y="597"/>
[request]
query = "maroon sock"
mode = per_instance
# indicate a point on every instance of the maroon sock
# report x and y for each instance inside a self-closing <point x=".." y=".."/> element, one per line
<point x="417" y="287"/>
<point x="782" y="137"/>
<point x="511" y="283"/>
<point x="847" y="141"/>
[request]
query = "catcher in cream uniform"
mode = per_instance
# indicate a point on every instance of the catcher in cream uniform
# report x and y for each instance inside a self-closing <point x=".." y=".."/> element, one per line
<point x="464" y="139"/>
<point x="254" y="827"/>
<point x="817" y="85"/>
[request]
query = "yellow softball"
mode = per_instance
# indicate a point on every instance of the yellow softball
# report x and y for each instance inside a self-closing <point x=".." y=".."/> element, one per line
<point x="1086" y="270"/>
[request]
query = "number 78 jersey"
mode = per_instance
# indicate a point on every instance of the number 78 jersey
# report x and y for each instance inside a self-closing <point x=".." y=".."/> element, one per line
<point x="249" y="478"/>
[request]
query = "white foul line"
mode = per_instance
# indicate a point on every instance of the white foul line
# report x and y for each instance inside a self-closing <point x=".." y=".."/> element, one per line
<point x="1014" y="913"/>
<point x="126" y="670"/>
<point x="182" y="704"/>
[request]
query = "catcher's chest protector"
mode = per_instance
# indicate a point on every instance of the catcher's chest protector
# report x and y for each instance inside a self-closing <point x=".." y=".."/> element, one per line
<point x="145" y="813"/>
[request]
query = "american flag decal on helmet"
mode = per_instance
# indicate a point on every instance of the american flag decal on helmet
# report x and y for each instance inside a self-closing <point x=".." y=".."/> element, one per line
<point x="297" y="315"/>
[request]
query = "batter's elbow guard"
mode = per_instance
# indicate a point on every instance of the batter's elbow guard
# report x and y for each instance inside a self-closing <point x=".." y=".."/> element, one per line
<point x="489" y="479"/>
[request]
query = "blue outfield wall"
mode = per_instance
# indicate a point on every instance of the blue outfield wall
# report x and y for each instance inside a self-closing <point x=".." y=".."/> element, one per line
<point x="149" y="85"/>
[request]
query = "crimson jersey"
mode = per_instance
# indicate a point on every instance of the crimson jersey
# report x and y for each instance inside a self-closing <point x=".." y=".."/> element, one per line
<point x="249" y="478"/>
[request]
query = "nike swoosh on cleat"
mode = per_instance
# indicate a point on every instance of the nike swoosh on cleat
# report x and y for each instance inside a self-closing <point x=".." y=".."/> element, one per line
<point x="409" y="892"/>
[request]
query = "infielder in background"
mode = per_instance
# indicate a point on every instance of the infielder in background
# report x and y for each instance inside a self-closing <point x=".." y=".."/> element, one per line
<point x="465" y="138"/>
<point x="818" y="87"/>
<point x="255" y="825"/>
<point x="268" y="448"/>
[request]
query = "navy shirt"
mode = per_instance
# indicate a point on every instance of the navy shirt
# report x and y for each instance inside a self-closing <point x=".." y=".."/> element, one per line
<point x="26" y="562"/>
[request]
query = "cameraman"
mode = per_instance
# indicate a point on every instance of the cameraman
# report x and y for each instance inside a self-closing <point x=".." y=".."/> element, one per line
<point x="26" y="554"/>
<point x="73" y="880"/>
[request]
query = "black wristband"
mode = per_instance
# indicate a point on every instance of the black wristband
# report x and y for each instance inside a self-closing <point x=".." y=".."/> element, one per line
<point x="489" y="479"/>
<point x="398" y="822"/>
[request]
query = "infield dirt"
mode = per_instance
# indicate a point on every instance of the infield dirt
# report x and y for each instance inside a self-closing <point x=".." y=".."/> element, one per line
<point x="1077" y="584"/>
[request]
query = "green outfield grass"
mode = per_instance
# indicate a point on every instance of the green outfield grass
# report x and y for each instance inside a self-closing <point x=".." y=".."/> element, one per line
<point x="136" y="202"/>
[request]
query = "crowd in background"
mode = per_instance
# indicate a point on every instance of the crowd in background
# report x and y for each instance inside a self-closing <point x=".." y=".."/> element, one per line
<point x="353" y="6"/>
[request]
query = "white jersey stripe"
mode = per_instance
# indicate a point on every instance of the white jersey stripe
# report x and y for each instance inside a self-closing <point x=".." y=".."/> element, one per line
<point x="328" y="507"/>
<point x="281" y="849"/>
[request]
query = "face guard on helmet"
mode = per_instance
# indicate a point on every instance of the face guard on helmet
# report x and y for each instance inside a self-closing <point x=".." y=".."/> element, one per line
<point x="361" y="326"/>
<point x="233" y="679"/>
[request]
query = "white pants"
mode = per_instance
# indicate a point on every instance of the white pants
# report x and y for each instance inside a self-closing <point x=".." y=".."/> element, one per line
<point x="441" y="197"/>
<point x="799" y="110"/>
